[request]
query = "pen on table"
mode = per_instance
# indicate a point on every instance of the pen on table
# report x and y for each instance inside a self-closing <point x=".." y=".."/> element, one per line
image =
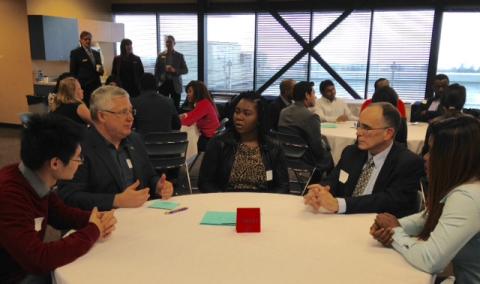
<point x="176" y="210"/>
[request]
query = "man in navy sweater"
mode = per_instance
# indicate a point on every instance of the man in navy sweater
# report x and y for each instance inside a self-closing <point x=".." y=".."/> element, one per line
<point x="50" y="150"/>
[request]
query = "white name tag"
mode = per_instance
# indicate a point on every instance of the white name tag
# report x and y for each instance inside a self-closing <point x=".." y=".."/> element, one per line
<point x="84" y="60"/>
<point x="38" y="223"/>
<point x="343" y="176"/>
<point x="129" y="164"/>
<point x="269" y="175"/>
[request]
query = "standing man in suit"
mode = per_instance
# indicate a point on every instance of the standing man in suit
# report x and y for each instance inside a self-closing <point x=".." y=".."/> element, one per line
<point x="86" y="65"/>
<point x="284" y="100"/>
<point x="298" y="120"/>
<point x="375" y="175"/>
<point x="116" y="171"/>
<point x="169" y="68"/>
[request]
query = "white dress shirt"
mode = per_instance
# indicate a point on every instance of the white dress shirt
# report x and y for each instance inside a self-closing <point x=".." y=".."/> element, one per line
<point x="329" y="111"/>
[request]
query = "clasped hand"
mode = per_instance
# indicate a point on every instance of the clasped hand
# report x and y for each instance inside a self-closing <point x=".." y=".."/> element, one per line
<point x="382" y="228"/>
<point x="105" y="222"/>
<point x="320" y="198"/>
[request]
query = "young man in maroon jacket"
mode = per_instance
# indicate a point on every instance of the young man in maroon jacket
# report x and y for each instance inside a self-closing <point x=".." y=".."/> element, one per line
<point x="50" y="151"/>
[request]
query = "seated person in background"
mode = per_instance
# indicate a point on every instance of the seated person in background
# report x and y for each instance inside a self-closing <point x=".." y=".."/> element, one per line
<point x="374" y="175"/>
<point x="388" y="95"/>
<point x="116" y="171"/>
<point x="380" y="83"/>
<point x="431" y="108"/>
<point x="329" y="108"/>
<point x="69" y="102"/>
<point x="155" y="113"/>
<point x="448" y="230"/>
<point x="244" y="158"/>
<point x="50" y="150"/>
<point x="452" y="102"/>
<point x="53" y="94"/>
<point x="204" y="113"/>
<point x="298" y="120"/>
<point x="276" y="106"/>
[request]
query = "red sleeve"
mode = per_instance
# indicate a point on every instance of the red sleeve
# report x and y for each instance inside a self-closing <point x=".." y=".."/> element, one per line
<point x="19" y="238"/>
<point x="200" y="110"/>
<point x="401" y="108"/>
<point x="365" y="104"/>
<point x="61" y="216"/>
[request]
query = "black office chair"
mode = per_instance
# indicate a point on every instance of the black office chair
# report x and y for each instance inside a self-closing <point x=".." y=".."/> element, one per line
<point x="295" y="149"/>
<point x="168" y="150"/>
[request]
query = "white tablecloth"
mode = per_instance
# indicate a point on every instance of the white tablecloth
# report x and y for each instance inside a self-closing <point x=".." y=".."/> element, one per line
<point x="295" y="246"/>
<point x="340" y="135"/>
<point x="192" y="135"/>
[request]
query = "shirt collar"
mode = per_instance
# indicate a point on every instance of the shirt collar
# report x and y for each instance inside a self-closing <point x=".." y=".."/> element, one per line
<point x="380" y="158"/>
<point x="41" y="189"/>
<point x="327" y="100"/>
<point x="287" y="102"/>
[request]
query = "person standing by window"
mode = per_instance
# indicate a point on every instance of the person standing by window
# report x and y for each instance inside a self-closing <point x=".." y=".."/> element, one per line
<point x="169" y="68"/>
<point x="128" y="68"/>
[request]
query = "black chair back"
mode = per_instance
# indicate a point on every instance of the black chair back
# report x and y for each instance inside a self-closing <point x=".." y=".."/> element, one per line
<point x="168" y="150"/>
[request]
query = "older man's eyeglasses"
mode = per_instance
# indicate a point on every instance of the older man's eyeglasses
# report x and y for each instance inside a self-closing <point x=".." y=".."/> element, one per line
<point x="367" y="129"/>
<point x="124" y="112"/>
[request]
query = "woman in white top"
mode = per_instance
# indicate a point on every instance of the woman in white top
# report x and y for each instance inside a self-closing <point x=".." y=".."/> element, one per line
<point x="448" y="230"/>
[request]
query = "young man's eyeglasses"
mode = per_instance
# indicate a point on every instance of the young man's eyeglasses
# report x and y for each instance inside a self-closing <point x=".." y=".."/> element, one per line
<point x="79" y="160"/>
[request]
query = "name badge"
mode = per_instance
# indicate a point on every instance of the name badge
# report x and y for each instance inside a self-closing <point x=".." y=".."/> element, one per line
<point x="84" y="60"/>
<point x="129" y="163"/>
<point x="38" y="223"/>
<point x="343" y="176"/>
<point x="269" y="175"/>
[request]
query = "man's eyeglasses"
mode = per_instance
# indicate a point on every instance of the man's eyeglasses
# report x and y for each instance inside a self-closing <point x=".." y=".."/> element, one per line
<point x="79" y="160"/>
<point x="124" y="112"/>
<point x="367" y="129"/>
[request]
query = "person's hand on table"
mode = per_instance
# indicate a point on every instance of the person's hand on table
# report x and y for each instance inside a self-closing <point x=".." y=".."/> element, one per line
<point x="320" y="198"/>
<point x="108" y="221"/>
<point x="131" y="197"/>
<point x="342" y="118"/>
<point x="386" y="220"/>
<point x="164" y="187"/>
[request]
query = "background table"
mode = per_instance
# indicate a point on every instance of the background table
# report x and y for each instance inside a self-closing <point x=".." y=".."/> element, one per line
<point x="340" y="135"/>
<point x="295" y="246"/>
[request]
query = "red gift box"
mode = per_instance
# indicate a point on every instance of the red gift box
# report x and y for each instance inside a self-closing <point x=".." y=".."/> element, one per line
<point x="248" y="220"/>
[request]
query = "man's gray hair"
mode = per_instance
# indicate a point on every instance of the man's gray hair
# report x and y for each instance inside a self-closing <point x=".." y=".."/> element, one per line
<point x="102" y="99"/>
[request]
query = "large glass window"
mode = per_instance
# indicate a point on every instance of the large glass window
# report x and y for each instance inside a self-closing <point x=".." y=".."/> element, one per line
<point x="459" y="56"/>
<point x="143" y="33"/>
<point x="276" y="47"/>
<point x="400" y="51"/>
<point x="345" y="49"/>
<point x="230" y="47"/>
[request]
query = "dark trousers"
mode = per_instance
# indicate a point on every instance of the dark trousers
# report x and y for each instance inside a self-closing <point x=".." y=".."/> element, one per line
<point x="168" y="90"/>
<point x="202" y="143"/>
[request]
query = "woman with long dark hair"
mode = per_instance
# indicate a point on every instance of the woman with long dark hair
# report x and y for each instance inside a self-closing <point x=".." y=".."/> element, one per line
<point x="127" y="68"/>
<point x="204" y="113"/>
<point x="244" y="158"/>
<point x="449" y="228"/>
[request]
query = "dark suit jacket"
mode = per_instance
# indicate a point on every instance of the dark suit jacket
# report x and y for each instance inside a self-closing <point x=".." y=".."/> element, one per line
<point x="298" y="120"/>
<point x="395" y="190"/>
<point x="274" y="110"/>
<point x="155" y="113"/>
<point x="178" y="62"/>
<point x="85" y="71"/>
<point x="97" y="181"/>
<point x="429" y="115"/>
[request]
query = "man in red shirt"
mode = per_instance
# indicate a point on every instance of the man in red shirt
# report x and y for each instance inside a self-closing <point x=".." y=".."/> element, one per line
<point x="50" y="151"/>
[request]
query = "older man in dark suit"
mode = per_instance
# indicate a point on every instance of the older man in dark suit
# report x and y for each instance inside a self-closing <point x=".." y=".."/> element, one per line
<point x="375" y="175"/>
<point x="86" y="65"/>
<point x="169" y="68"/>
<point x="116" y="170"/>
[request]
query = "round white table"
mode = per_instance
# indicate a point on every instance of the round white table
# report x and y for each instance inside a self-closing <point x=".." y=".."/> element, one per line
<point x="294" y="246"/>
<point x="340" y="135"/>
